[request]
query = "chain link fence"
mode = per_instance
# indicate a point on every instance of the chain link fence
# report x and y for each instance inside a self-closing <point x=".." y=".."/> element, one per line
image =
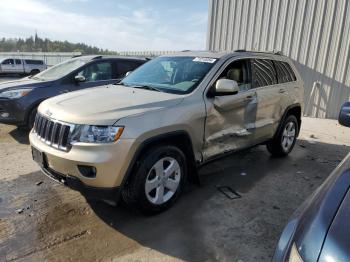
<point x="52" y="58"/>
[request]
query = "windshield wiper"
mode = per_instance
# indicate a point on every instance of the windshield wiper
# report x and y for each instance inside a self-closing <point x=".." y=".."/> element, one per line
<point x="119" y="83"/>
<point x="141" y="87"/>
<point x="147" y="87"/>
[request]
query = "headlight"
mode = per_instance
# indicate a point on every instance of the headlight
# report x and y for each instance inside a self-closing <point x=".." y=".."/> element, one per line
<point x="96" y="134"/>
<point x="294" y="255"/>
<point x="17" y="93"/>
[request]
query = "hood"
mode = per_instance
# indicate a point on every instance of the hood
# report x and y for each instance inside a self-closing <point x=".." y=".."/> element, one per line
<point x="23" y="82"/>
<point x="320" y="211"/>
<point x="336" y="246"/>
<point x="106" y="104"/>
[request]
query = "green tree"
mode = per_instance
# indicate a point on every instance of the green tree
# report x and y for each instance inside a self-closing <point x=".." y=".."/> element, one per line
<point x="34" y="44"/>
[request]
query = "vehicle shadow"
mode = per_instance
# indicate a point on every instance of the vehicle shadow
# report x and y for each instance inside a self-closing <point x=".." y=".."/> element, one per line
<point x="20" y="135"/>
<point x="204" y="225"/>
<point x="324" y="94"/>
<point x="8" y="77"/>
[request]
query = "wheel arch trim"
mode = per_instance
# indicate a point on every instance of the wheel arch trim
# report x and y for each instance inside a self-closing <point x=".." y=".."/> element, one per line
<point x="285" y="114"/>
<point x="148" y="143"/>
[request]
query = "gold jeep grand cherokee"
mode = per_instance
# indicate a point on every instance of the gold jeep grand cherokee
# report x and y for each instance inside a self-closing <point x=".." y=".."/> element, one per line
<point x="143" y="138"/>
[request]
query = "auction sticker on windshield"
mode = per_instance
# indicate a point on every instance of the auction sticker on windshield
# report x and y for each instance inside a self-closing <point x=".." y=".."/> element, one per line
<point x="204" y="60"/>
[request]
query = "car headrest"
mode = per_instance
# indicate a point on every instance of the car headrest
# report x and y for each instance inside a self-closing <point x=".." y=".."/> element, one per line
<point x="235" y="74"/>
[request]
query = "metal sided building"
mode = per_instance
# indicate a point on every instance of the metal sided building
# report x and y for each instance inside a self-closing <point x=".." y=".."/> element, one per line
<point x="314" y="33"/>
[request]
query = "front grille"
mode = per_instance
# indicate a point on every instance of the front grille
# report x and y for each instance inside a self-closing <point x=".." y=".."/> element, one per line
<point x="52" y="132"/>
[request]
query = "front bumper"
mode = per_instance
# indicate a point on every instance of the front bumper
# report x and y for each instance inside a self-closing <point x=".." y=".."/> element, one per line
<point x="111" y="161"/>
<point x="87" y="191"/>
<point x="16" y="112"/>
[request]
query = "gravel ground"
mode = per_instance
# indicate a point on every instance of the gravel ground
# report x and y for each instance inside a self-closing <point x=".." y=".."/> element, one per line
<point x="5" y="78"/>
<point x="43" y="221"/>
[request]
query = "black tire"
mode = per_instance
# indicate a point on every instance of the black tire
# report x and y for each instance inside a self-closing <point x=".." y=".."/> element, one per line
<point x="134" y="192"/>
<point x="34" y="72"/>
<point x="275" y="146"/>
<point x="31" y="118"/>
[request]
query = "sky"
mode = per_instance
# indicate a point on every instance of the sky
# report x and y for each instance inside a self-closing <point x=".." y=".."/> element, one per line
<point x="119" y="25"/>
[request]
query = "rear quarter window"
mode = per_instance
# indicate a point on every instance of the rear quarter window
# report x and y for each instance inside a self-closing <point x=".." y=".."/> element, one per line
<point x="264" y="72"/>
<point x="285" y="72"/>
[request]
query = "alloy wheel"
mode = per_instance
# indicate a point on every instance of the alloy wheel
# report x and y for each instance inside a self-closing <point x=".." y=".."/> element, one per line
<point x="288" y="137"/>
<point x="163" y="180"/>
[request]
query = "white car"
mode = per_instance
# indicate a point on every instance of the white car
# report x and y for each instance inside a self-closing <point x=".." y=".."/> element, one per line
<point x="21" y="66"/>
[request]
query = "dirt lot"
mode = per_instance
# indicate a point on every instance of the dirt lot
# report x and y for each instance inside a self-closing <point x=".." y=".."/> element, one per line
<point x="5" y="78"/>
<point x="41" y="220"/>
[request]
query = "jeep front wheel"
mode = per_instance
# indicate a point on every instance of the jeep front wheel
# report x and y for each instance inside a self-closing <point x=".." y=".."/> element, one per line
<point x="158" y="180"/>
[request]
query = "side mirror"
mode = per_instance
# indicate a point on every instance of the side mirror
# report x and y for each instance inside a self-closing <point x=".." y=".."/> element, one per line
<point x="79" y="78"/>
<point x="128" y="73"/>
<point x="225" y="87"/>
<point x="344" y="115"/>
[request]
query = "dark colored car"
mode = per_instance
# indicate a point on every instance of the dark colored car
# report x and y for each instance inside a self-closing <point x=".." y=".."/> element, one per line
<point x="319" y="230"/>
<point x="19" y="99"/>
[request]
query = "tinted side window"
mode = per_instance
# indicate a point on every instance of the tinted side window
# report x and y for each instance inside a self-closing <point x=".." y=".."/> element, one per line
<point x="240" y="72"/>
<point x="284" y="72"/>
<point x="7" y="62"/>
<point x="34" y="62"/>
<point x="125" y="66"/>
<point x="97" y="71"/>
<point x="264" y="72"/>
<point x="18" y="61"/>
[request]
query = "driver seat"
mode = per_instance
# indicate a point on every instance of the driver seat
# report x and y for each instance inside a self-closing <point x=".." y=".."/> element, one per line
<point x="235" y="74"/>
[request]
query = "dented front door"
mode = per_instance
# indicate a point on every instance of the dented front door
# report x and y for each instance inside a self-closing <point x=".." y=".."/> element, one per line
<point x="231" y="119"/>
<point x="230" y="123"/>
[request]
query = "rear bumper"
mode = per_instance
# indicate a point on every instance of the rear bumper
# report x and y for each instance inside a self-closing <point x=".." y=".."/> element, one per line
<point x="87" y="191"/>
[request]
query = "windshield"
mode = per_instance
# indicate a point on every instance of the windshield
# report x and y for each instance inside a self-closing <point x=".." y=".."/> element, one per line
<point x="60" y="70"/>
<point x="174" y="74"/>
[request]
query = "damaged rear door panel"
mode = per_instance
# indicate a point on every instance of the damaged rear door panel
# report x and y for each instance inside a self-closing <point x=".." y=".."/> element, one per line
<point x="270" y="98"/>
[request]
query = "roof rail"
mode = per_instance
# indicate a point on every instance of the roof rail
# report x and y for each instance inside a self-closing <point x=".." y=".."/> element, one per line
<point x="260" y="52"/>
<point x="97" y="57"/>
<point x="269" y="52"/>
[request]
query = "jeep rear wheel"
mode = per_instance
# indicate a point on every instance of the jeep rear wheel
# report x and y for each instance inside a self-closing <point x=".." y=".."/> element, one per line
<point x="158" y="180"/>
<point x="283" y="142"/>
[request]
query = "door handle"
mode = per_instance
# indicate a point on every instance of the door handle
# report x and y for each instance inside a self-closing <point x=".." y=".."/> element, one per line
<point x="64" y="91"/>
<point x="248" y="98"/>
<point x="282" y="91"/>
